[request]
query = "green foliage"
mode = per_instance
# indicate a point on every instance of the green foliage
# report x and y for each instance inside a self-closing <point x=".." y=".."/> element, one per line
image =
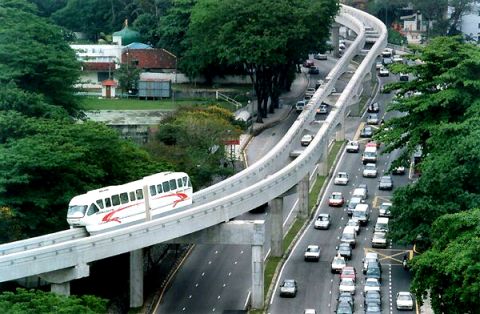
<point x="38" y="302"/>
<point x="128" y="76"/>
<point x="35" y="58"/>
<point x="394" y="37"/>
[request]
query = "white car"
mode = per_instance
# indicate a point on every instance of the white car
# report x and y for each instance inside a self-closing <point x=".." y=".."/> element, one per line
<point x="378" y="65"/>
<point x="397" y="58"/>
<point x="370" y="257"/>
<point x="337" y="264"/>
<point x="355" y="224"/>
<point x="404" y="300"/>
<point x="341" y="178"/>
<point x="373" y="118"/>
<point x="353" y="147"/>
<point x="379" y="239"/>
<point x="384" y="72"/>
<point x="312" y="253"/>
<point x="306" y="139"/>
<point x="347" y="285"/>
<point x="322" y="221"/>
<point x="310" y="91"/>
<point x="370" y="171"/>
<point x="372" y="284"/>
<point x="384" y="209"/>
<point x="309" y="311"/>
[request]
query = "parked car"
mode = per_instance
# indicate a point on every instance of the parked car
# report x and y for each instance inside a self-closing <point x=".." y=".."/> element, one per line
<point x="384" y="209"/>
<point x="371" y="284"/>
<point x="397" y="58"/>
<point x="370" y="171"/>
<point x="403" y="77"/>
<point x="306" y="139"/>
<point x="312" y="253"/>
<point x="341" y="178"/>
<point x="336" y="199"/>
<point x="384" y="72"/>
<point x="338" y="263"/>
<point x="404" y="300"/>
<point x="387" y="61"/>
<point x="322" y="109"/>
<point x="322" y="221"/>
<point x="373" y="297"/>
<point x="348" y="272"/>
<point x="288" y="288"/>
<point x="308" y="63"/>
<point x="347" y="285"/>
<point x="373" y="118"/>
<point x="400" y="170"/>
<point x="385" y="183"/>
<point x="313" y="70"/>
<point x="320" y="56"/>
<point x="373" y="107"/>
<point x="366" y="132"/>
<point x="345" y="250"/>
<point x="353" y="147"/>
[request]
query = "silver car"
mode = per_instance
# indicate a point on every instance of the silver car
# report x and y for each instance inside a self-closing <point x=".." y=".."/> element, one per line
<point x="322" y="221"/>
<point x="370" y="171"/>
<point x="312" y="253"/>
<point x="288" y="288"/>
<point x="373" y="118"/>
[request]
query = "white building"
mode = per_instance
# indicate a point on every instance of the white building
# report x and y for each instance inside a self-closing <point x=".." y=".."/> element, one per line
<point x="470" y="23"/>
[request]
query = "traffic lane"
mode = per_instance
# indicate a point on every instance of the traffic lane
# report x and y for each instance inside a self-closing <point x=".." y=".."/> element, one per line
<point x="209" y="279"/>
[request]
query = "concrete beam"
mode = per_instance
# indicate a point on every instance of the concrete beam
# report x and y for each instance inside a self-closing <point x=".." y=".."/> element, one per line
<point x="303" y="188"/>
<point x="136" y="278"/>
<point x="61" y="288"/>
<point x="336" y="39"/>
<point x="237" y="232"/>
<point x="257" y="277"/>
<point x="67" y="274"/>
<point x="323" y="162"/>
<point x="276" y="220"/>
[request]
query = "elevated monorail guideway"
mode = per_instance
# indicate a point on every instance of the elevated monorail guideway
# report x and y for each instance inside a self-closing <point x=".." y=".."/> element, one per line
<point x="261" y="182"/>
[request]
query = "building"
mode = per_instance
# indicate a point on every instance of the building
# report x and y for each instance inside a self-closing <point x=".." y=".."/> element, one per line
<point x="470" y="23"/>
<point x="414" y="27"/>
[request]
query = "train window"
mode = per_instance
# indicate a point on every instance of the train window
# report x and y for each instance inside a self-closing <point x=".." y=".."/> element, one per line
<point x="173" y="184"/>
<point x="153" y="190"/>
<point x="159" y="188"/>
<point x="132" y="196"/>
<point x="92" y="209"/>
<point x="124" y="197"/>
<point x="185" y="181"/>
<point x="166" y="186"/>
<point x="108" y="202"/>
<point x="179" y="183"/>
<point x="115" y="200"/>
<point x="100" y="203"/>
<point x="139" y="193"/>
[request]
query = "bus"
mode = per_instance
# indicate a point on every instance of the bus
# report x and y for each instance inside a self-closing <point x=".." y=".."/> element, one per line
<point x="113" y="206"/>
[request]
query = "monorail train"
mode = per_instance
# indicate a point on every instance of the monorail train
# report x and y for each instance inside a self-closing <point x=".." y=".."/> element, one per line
<point x="110" y="207"/>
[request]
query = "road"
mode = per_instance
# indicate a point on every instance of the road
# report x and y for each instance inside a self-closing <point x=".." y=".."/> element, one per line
<point x="318" y="288"/>
<point x="218" y="278"/>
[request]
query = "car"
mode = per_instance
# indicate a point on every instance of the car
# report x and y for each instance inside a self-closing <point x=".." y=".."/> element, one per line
<point x="312" y="253"/>
<point x="371" y="284"/>
<point x="365" y="187"/>
<point x="307" y="98"/>
<point x="320" y="56"/>
<point x="323" y="109"/>
<point x="379" y="239"/>
<point x="373" y="107"/>
<point x="310" y="91"/>
<point x="387" y="52"/>
<point x="318" y="83"/>
<point x="347" y="285"/>
<point x="306" y="139"/>
<point x="310" y="311"/>
<point x="355" y="224"/>
<point x="341" y="178"/>
<point x="371" y="143"/>
<point x="387" y="61"/>
<point x="353" y="147"/>
<point x="308" y="63"/>
<point x="397" y="58"/>
<point x="370" y="257"/>
<point x="313" y="70"/>
<point x="374" y="271"/>
<point x="345" y="250"/>
<point x="288" y="288"/>
<point x="385" y="183"/>
<point x="348" y="272"/>
<point x="338" y="263"/>
<point x="334" y="90"/>
<point x="378" y="65"/>
<point x="342" y="46"/>
<point x="384" y="72"/>
<point x="366" y="132"/>
<point x="370" y="171"/>
<point x="300" y="105"/>
<point x="352" y="203"/>
<point x="384" y="209"/>
<point x="404" y="300"/>
<point x="400" y="170"/>
<point x="360" y="192"/>
<point x="336" y="199"/>
<point x="346" y="297"/>
<point x="373" y="308"/>
<point x="403" y="77"/>
<point x="344" y="308"/>
<point x="322" y="221"/>
<point x="373" y="118"/>
<point x="373" y="297"/>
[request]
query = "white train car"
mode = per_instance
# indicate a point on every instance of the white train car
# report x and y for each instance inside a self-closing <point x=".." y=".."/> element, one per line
<point x="114" y="206"/>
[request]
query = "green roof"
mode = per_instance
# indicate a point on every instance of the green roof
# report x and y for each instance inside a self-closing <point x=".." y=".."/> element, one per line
<point x="128" y="36"/>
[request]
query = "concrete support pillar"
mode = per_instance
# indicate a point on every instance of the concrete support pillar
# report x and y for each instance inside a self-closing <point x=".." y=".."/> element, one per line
<point x="61" y="288"/>
<point x="276" y="218"/>
<point x="136" y="278"/>
<point x="323" y="162"/>
<point x="257" y="277"/>
<point x="340" y="133"/>
<point x="336" y="39"/>
<point x="303" y="189"/>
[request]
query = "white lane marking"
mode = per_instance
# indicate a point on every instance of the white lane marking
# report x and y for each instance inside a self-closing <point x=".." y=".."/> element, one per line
<point x="196" y="285"/>
<point x="235" y="263"/>
<point x="218" y="298"/>
<point x="216" y="252"/>
<point x="246" y="301"/>
<point x="213" y="310"/>
<point x="203" y="274"/>
<point x="184" y="309"/>
<point x="209" y="262"/>
<point x="190" y="296"/>
<point x="241" y="252"/>
<point x="229" y="274"/>
<point x="224" y="285"/>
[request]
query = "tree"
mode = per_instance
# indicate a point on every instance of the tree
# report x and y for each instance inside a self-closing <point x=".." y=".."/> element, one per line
<point x="128" y="75"/>
<point x="45" y="162"/>
<point x="450" y="270"/>
<point x="42" y="62"/>
<point x="39" y="302"/>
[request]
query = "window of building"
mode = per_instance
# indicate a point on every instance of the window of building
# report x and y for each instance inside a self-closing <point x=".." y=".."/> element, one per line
<point x="102" y="76"/>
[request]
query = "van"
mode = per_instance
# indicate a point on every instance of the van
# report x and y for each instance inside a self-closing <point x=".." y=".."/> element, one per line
<point x="360" y="192"/>
<point x="369" y="155"/>
<point x="361" y="213"/>
<point x="352" y="204"/>
<point x="300" y="105"/>
<point x="349" y="235"/>
<point x="382" y="224"/>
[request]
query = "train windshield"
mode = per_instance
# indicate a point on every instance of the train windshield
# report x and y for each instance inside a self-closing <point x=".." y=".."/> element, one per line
<point x="76" y="211"/>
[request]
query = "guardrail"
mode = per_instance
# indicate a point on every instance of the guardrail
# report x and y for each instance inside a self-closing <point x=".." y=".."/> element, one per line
<point x="261" y="182"/>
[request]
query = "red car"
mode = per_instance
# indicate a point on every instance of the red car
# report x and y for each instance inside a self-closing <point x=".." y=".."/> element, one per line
<point x="336" y="199"/>
<point x="348" y="272"/>
<point x="308" y="63"/>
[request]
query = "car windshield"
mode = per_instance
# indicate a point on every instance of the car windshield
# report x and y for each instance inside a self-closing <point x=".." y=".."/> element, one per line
<point x="76" y="211"/>
<point x="346" y="282"/>
<point x="404" y="297"/>
<point x="288" y="284"/>
<point x="348" y="271"/>
<point x="336" y="196"/>
<point x="380" y="235"/>
<point x="312" y="249"/>
<point x="372" y="283"/>
<point x="323" y="218"/>
<point x="339" y="261"/>
<point x="370" y="167"/>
